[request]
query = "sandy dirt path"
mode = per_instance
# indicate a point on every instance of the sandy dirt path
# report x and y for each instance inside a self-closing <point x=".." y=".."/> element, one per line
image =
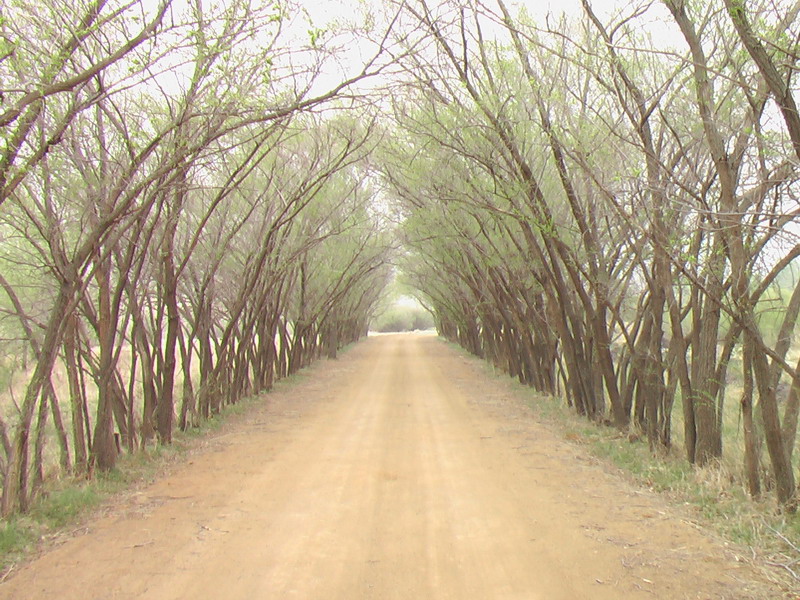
<point x="396" y="472"/>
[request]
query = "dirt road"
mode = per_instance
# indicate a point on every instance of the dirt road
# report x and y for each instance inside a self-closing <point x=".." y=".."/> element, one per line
<point x="400" y="472"/>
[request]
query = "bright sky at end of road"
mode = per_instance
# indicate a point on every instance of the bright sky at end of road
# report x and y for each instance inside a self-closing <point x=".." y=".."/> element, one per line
<point x="408" y="301"/>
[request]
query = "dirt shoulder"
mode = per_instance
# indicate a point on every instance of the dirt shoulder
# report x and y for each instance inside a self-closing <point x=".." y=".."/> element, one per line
<point x="398" y="471"/>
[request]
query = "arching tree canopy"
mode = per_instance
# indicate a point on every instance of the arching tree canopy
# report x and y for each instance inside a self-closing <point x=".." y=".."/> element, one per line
<point x="197" y="198"/>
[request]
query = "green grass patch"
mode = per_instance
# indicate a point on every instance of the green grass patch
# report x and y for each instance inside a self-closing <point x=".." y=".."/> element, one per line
<point x="60" y="507"/>
<point x="15" y="538"/>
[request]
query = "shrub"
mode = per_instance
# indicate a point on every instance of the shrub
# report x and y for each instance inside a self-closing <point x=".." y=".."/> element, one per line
<point x="403" y="318"/>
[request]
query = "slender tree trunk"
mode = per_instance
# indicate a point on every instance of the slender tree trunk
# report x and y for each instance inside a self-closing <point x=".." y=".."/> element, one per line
<point x="104" y="449"/>
<point x="166" y="404"/>
<point x="751" y="469"/>
<point x="15" y="481"/>
<point x="61" y="431"/>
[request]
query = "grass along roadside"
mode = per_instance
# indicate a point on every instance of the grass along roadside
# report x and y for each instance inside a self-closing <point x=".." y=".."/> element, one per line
<point x="713" y="497"/>
<point x="67" y="504"/>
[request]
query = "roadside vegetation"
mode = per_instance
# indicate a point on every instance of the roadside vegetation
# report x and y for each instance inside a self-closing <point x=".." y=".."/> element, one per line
<point x="712" y="496"/>
<point x="402" y="317"/>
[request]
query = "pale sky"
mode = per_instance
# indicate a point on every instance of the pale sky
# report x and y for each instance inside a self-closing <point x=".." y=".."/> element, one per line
<point x="656" y="21"/>
<point x="322" y="13"/>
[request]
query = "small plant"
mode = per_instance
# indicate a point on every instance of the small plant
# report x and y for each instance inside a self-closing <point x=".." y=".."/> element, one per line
<point x="14" y="538"/>
<point x="65" y="505"/>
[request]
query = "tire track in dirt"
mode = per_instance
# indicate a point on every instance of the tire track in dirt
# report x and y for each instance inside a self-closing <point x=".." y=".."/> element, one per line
<point x="397" y="472"/>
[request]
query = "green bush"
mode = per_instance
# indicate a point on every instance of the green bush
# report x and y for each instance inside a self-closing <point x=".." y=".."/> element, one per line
<point x="13" y="538"/>
<point x="403" y="318"/>
<point x="63" y="506"/>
